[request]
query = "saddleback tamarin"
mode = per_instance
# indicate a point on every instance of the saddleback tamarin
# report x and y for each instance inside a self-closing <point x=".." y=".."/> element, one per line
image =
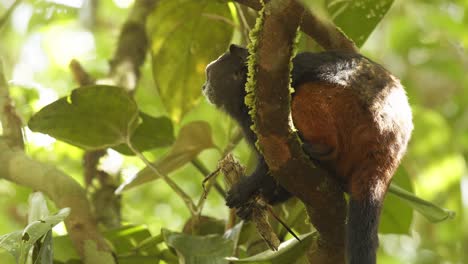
<point x="355" y="122"/>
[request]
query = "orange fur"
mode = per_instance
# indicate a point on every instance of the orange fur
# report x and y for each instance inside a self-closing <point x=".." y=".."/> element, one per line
<point x="333" y="116"/>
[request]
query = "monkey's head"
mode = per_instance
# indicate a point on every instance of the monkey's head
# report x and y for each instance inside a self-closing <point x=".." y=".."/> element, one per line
<point x="225" y="80"/>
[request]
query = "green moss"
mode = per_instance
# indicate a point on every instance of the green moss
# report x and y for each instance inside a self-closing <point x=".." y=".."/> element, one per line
<point x="293" y="54"/>
<point x="252" y="64"/>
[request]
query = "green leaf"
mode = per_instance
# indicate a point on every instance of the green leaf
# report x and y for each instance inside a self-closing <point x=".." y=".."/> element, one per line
<point x="92" y="117"/>
<point x="288" y="252"/>
<point x="37" y="207"/>
<point x="39" y="228"/>
<point x="46" y="253"/>
<point x="429" y="210"/>
<point x="11" y="242"/>
<point x="296" y="216"/>
<point x="204" y="225"/>
<point x="153" y="132"/>
<point x="138" y="259"/>
<point x="358" y="18"/>
<point x="126" y="238"/>
<point x="397" y="215"/>
<point x="19" y="243"/>
<point x="234" y="234"/>
<point x="186" y="35"/>
<point x="64" y="249"/>
<point x="46" y="12"/>
<point x="211" y="249"/>
<point x="93" y="255"/>
<point x="193" y="138"/>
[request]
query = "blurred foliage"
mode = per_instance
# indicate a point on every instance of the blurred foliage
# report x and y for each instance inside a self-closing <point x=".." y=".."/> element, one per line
<point x="422" y="42"/>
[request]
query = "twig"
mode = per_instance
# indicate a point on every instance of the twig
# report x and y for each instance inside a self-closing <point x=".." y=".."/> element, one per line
<point x="206" y="173"/>
<point x="79" y="73"/>
<point x="132" y="47"/>
<point x="324" y="32"/>
<point x="272" y="213"/>
<point x="184" y="196"/>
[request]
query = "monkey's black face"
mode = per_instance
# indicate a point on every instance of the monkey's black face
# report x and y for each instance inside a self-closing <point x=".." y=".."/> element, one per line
<point x="225" y="79"/>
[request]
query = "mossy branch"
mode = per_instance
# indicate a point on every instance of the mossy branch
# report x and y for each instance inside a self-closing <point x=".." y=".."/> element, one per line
<point x="268" y="84"/>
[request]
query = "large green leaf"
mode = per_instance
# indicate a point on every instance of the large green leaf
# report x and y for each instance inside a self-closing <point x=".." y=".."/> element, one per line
<point x="288" y="252"/>
<point x="38" y="228"/>
<point x="193" y="138"/>
<point x="211" y="249"/>
<point x="186" y="35"/>
<point x="130" y="242"/>
<point x="153" y="132"/>
<point x="358" y="18"/>
<point x="92" y="117"/>
<point x="397" y="215"/>
<point x="429" y="210"/>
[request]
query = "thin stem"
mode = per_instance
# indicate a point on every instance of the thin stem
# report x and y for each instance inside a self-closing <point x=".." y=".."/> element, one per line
<point x="184" y="196"/>
<point x="245" y="28"/>
<point x="207" y="183"/>
<point x="198" y="164"/>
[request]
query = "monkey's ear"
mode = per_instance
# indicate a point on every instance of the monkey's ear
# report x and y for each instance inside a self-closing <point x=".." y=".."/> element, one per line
<point x="239" y="51"/>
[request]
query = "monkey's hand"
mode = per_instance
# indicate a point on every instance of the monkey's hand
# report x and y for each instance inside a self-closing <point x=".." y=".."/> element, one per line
<point x="241" y="196"/>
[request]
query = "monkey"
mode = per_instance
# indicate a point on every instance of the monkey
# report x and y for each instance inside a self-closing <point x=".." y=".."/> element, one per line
<point x="354" y="119"/>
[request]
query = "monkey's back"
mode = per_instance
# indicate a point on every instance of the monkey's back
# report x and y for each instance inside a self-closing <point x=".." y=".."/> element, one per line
<point x="356" y="112"/>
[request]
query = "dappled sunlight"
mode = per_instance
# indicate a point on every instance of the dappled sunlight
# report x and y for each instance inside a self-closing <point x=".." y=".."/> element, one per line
<point x="123" y="3"/>
<point x="464" y="190"/>
<point x="404" y="247"/>
<point x="70" y="3"/>
<point x="39" y="139"/>
<point x="32" y="59"/>
<point x="67" y="42"/>
<point x="440" y="175"/>
<point x="21" y="17"/>
<point x="60" y="229"/>
<point x="112" y="162"/>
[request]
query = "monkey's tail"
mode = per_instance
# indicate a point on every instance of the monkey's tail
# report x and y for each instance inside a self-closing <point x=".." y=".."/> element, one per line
<point x="362" y="228"/>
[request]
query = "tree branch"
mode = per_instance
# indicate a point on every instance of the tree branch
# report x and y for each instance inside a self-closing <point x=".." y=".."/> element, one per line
<point x="269" y="72"/>
<point x="324" y="32"/>
<point x="9" y="120"/>
<point x="132" y="46"/>
<point x="59" y="187"/>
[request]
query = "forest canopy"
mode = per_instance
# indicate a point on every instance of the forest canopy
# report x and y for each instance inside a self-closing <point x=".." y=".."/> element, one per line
<point x="106" y="137"/>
